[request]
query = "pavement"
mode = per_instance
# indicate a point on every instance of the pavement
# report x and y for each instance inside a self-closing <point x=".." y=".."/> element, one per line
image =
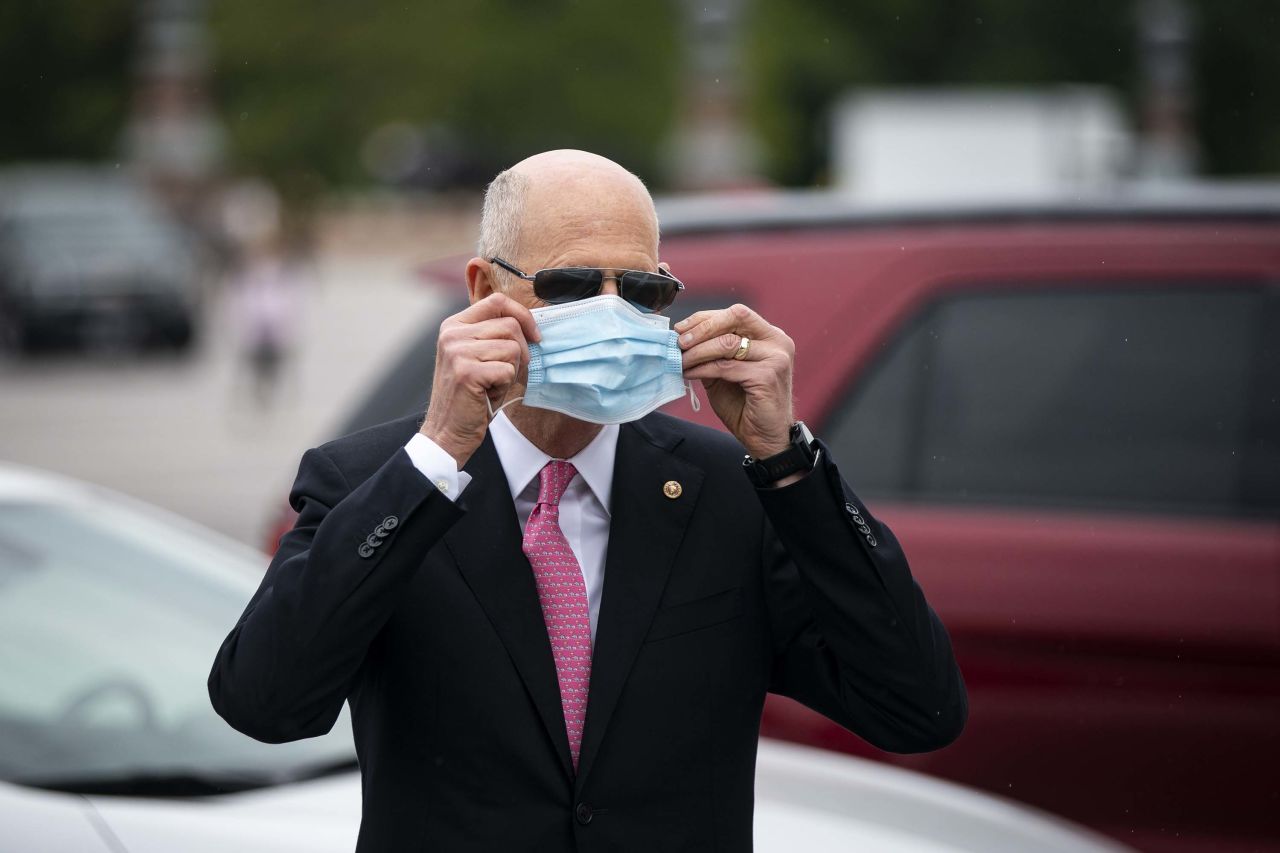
<point x="186" y="433"/>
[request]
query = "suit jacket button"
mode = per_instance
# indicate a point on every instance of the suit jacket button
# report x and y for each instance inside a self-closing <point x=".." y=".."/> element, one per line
<point x="583" y="813"/>
<point x="851" y="509"/>
<point x="390" y="522"/>
<point x="364" y="550"/>
<point x="373" y="540"/>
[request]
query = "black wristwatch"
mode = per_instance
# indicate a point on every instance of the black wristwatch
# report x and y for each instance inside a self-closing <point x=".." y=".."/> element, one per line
<point x="800" y="456"/>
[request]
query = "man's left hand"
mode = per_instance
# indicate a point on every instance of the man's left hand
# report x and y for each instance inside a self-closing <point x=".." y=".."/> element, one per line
<point x="751" y="395"/>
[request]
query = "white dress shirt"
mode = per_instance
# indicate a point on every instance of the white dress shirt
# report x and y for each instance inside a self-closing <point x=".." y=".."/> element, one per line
<point x="584" y="508"/>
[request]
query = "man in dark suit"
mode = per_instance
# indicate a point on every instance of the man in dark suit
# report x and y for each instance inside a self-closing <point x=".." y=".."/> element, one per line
<point x="557" y="634"/>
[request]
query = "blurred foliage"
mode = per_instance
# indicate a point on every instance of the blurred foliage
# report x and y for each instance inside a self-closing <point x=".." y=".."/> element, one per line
<point x="802" y="54"/>
<point x="1238" y="85"/>
<point x="65" y="67"/>
<point x="303" y="82"/>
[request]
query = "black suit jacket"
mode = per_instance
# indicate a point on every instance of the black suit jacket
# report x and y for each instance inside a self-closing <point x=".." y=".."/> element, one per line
<point x="423" y="615"/>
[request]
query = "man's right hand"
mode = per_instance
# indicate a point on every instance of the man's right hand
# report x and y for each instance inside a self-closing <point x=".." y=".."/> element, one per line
<point x="481" y="353"/>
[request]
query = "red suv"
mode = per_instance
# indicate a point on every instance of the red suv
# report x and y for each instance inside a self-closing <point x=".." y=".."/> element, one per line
<point x="1070" y="416"/>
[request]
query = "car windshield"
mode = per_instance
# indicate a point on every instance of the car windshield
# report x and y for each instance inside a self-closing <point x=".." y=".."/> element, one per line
<point x="109" y="622"/>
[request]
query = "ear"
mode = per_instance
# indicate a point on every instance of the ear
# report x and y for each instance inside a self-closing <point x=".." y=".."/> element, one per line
<point x="480" y="281"/>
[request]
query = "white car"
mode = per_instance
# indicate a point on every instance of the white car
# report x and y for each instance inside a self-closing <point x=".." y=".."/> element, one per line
<point x="110" y="614"/>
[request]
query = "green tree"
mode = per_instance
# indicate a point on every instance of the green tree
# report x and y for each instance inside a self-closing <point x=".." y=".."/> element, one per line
<point x="802" y="54"/>
<point x="1238" y="86"/>
<point x="303" y="82"/>
<point x="65" y="71"/>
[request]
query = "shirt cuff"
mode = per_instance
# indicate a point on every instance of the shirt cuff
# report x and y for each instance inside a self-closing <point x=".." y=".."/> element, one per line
<point x="437" y="466"/>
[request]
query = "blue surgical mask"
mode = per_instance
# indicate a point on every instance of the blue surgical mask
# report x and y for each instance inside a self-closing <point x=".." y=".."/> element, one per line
<point x="603" y="360"/>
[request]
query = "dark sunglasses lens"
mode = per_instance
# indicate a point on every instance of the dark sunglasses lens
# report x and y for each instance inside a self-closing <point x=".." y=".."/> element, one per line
<point x="567" y="284"/>
<point x="650" y="291"/>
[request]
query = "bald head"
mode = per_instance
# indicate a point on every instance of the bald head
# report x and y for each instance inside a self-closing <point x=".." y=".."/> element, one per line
<point x="569" y="171"/>
<point x="569" y="208"/>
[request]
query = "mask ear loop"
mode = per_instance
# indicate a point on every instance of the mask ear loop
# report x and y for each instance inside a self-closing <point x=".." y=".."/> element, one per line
<point x="493" y="413"/>
<point x="694" y="402"/>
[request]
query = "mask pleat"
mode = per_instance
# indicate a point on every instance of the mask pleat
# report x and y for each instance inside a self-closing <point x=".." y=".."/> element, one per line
<point x="602" y="360"/>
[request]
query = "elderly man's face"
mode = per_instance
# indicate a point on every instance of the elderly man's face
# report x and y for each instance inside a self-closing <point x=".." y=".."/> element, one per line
<point x="601" y="220"/>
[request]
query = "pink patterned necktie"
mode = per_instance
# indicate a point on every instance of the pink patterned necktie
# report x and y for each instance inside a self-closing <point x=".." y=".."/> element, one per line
<point x="562" y="592"/>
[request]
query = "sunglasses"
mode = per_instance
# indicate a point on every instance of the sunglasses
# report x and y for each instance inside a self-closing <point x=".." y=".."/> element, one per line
<point x="648" y="291"/>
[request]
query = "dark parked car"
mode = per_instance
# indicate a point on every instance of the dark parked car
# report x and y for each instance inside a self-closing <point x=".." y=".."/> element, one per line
<point x="1070" y="416"/>
<point x="87" y="257"/>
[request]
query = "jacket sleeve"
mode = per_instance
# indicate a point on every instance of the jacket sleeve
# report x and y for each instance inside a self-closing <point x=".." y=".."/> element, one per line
<point x="853" y="637"/>
<point x="289" y="663"/>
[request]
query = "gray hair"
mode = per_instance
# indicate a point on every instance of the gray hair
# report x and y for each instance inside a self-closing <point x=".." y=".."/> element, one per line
<point x="500" y="217"/>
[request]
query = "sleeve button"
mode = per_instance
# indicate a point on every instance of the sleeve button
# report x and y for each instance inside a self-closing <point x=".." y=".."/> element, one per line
<point x="390" y="522"/>
<point x="364" y="550"/>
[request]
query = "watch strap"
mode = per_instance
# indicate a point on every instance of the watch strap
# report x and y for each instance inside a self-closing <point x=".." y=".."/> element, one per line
<point x="797" y="458"/>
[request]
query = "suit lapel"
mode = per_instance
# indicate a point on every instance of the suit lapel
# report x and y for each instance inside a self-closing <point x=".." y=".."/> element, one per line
<point x="646" y="531"/>
<point x="485" y="543"/>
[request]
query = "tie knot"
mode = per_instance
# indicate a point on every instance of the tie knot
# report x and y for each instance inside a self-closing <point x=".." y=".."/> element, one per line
<point x="556" y="476"/>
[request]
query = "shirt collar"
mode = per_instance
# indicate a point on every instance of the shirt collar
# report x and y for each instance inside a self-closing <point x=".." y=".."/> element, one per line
<point x="522" y="461"/>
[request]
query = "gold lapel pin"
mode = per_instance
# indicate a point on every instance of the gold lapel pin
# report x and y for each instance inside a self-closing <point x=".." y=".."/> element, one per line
<point x="672" y="489"/>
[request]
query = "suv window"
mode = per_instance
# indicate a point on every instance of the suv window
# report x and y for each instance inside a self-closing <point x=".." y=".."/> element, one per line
<point x="1137" y="398"/>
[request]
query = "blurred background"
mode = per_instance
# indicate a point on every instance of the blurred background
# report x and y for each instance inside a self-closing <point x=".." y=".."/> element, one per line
<point x="222" y="227"/>
<point x="353" y="146"/>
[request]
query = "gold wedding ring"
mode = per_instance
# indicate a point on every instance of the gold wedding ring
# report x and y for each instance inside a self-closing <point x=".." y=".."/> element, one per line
<point x="743" y="346"/>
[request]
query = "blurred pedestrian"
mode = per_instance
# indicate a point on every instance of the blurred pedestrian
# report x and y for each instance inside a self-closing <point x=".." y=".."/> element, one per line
<point x="266" y="301"/>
